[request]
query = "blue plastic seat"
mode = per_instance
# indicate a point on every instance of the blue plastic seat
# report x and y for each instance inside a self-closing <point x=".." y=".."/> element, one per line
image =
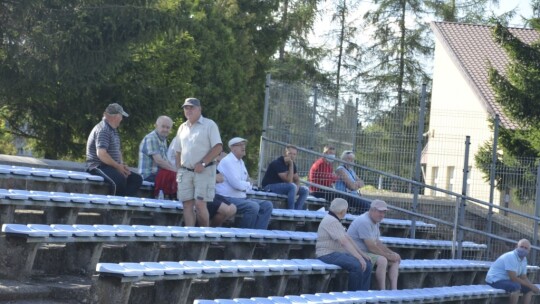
<point x="19" y="229"/>
<point x="52" y="232"/>
<point x="147" y="271"/>
<point x="99" y="232"/>
<point x="117" y="270"/>
<point x="173" y="268"/>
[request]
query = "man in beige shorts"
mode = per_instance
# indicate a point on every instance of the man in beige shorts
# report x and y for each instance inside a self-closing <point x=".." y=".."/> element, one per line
<point x="197" y="146"/>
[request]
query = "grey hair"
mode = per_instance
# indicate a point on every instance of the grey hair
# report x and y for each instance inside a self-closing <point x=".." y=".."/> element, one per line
<point x="338" y="205"/>
<point x="345" y="153"/>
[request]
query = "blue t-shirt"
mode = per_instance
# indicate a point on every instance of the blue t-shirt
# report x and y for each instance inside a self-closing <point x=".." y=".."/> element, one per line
<point x="506" y="262"/>
<point x="277" y="166"/>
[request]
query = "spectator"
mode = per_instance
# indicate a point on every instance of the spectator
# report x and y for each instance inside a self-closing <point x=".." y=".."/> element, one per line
<point x="198" y="144"/>
<point x="153" y="163"/>
<point x="282" y="177"/>
<point x="104" y="154"/>
<point x="348" y="182"/>
<point x="509" y="272"/>
<point x="334" y="246"/>
<point x="365" y="232"/>
<point x="255" y="213"/>
<point x="322" y="173"/>
<point x="220" y="209"/>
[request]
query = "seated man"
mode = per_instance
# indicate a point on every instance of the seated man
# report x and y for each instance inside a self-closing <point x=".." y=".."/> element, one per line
<point x="104" y="156"/>
<point x="509" y="272"/>
<point x="153" y="160"/>
<point x="282" y="177"/>
<point x="322" y="173"/>
<point x="219" y="209"/>
<point x="365" y="232"/>
<point x="349" y="184"/>
<point x="334" y="246"/>
<point x="255" y="213"/>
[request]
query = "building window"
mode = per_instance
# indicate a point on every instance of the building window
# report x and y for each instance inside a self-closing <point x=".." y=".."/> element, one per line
<point x="450" y="178"/>
<point x="434" y="179"/>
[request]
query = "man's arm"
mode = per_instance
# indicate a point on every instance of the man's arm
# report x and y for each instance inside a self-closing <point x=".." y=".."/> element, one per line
<point x="233" y="177"/>
<point x="351" y="248"/>
<point x="344" y="175"/>
<point x="163" y="163"/>
<point x="106" y="158"/>
<point x="210" y="156"/>
<point x="523" y="280"/>
<point x="288" y="176"/>
<point x="378" y="248"/>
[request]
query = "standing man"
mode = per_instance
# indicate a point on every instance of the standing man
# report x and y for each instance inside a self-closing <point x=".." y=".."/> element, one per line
<point x="334" y="246"/>
<point x="366" y="233"/>
<point x="255" y="213"/>
<point x="282" y="177"/>
<point x="153" y="163"/>
<point x="509" y="272"/>
<point x="104" y="154"/>
<point x="198" y="144"/>
<point x="322" y="173"/>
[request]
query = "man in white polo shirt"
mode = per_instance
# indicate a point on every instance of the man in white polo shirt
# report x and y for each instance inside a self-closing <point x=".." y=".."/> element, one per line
<point x="197" y="146"/>
<point x="255" y="213"/>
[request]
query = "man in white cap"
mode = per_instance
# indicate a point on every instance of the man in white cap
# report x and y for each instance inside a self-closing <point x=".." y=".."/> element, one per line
<point x="197" y="146"/>
<point x="104" y="154"/>
<point x="365" y="232"/>
<point x="255" y="213"/>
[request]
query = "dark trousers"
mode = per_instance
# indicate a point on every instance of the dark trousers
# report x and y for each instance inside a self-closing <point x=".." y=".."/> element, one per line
<point x="119" y="184"/>
<point x="357" y="204"/>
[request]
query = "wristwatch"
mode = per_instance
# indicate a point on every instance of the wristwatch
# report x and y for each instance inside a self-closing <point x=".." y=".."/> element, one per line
<point x="203" y="164"/>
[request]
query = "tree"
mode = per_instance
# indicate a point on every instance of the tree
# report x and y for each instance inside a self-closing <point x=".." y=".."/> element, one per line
<point x="518" y="92"/>
<point x="399" y="46"/>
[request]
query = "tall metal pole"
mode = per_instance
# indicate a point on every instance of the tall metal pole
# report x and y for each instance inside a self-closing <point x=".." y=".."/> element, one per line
<point x="262" y="145"/>
<point x="536" y="214"/>
<point x="314" y="133"/>
<point x="460" y="212"/>
<point x="493" y="168"/>
<point x="355" y="126"/>
<point x="417" y="166"/>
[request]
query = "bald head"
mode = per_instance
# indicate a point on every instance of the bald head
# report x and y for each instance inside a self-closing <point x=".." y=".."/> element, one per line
<point x="164" y="125"/>
<point x="524" y="243"/>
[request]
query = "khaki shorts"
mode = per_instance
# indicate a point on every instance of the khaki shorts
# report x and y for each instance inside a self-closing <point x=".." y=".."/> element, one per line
<point x="196" y="186"/>
<point x="373" y="257"/>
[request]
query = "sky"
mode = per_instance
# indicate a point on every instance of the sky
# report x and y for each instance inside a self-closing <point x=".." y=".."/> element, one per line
<point x="524" y="9"/>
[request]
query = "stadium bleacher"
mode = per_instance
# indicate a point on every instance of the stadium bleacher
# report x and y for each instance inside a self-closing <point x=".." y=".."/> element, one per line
<point x="186" y="264"/>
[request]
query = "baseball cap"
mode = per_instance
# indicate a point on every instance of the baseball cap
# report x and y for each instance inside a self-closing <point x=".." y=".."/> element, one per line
<point x="191" y="102"/>
<point x="236" y="140"/>
<point x="115" y="108"/>
<point x="379" y="205"/>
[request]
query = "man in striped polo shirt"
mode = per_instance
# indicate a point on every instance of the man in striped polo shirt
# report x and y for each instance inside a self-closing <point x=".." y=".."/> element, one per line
<point x="104" y="154"/>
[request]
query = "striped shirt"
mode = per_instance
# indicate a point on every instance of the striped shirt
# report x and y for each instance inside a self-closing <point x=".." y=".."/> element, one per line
<point x="151" y="144"/>
<point x="328" y="235"/>
<point x="103" y="136"/>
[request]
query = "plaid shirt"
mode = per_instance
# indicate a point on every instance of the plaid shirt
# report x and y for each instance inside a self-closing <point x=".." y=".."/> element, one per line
<point x="150" y="145"/>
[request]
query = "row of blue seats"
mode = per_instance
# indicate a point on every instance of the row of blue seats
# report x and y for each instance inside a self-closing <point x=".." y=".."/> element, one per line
<point x="81" y="200"/>
<point x="274" y="274"/>
<point x="471" y="293"/>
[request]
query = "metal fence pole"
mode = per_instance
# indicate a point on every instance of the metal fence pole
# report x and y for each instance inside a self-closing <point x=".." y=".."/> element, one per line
<point x="314" y="133"/>
<point x="262" y="145"/>
<point x="536" y="214"/>
<point x="355" y="126"/>
<point x="493" y="168"/>
<point x="460" y="208"/>
<point x="417" y="166"/>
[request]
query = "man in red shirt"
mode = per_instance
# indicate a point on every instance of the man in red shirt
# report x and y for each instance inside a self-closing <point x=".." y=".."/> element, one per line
<point x="322" y="173"/>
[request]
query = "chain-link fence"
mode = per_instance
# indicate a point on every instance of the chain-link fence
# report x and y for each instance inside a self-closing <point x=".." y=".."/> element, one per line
<point x="385" y="135"/>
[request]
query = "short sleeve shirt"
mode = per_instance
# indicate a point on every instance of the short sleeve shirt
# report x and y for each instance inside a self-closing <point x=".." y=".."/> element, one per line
<point x="151" y="144"/>
<point x="328" y="235"/>
<point x="103" y="136"/>
<point x="274" y="168"/>
<point x="507" y="262"/>
<point x="196" y="140"/>
<point x="363" y="228"/>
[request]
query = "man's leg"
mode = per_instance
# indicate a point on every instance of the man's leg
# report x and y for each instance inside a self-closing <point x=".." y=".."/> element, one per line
<point x="133" y="184"/>
<point x="509" y="286"/>
<point x="264" y="214"/>
<point x="358" y="279"/>
<point x="288" y="189"/>
<point x="380" y="272"/>
<point x="115" y="179"/>
<point x="224" y="213"/>
<point x="302" y="196"/>
<point x="393" y="273"/>
<point x="189" y="213"/>
<point x="527" y="297"/>
<point x="248" y="209"/>
<point x="203" y="218"/>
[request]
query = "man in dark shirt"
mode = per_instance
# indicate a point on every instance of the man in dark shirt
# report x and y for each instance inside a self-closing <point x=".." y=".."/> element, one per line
<point x="104" y="154"/>
<point x="282" y="177"/>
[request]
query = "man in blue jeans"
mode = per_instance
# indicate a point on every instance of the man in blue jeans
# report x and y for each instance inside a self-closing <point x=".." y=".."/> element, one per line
<point x="281" y="177"/>
<point x="255" y="213"/>
<point x="509" y="272"/>
<point x="335" y="246"/>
